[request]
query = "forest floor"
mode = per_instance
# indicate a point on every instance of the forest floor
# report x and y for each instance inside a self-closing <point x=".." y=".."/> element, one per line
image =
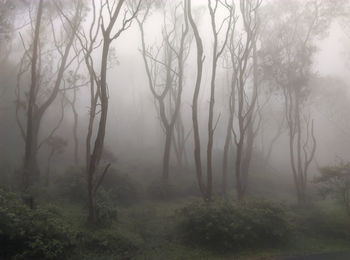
<point x="324" y="256"/>
<point x="147" y="228"/>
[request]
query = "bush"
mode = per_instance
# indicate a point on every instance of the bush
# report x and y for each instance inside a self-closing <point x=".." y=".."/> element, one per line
<point x="105" y="209"/>
<point x="335" y="181"/>
<point x="121" y="187"/>
<point x="113" y="243"/>
<point x="32" y="234"/>
<point x="72" y="185"/>
<point x="325" y="223"/>
<point x="224" y="226"/>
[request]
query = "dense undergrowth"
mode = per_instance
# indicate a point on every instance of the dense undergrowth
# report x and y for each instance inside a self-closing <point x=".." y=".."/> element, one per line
<point x="136" y="222"/>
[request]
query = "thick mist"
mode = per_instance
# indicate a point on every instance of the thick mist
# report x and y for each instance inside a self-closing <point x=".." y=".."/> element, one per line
<point x="204" y="100"/>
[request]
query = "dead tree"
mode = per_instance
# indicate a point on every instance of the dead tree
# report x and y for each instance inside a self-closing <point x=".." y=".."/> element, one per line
<point x="170" y="69"/>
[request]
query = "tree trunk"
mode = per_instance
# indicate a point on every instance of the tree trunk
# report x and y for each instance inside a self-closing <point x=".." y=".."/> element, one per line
<point x="225" y="156"/>
<point x="31" y="169"/>
<point x="238" y="168"/>
<point x="98" y="146"/>
<point x="197" y="145"/>
<point x="75" y="130"/>
<point x="166" y="156"/>
<point x="248" y="151"/>
<point x="48" y="170"/>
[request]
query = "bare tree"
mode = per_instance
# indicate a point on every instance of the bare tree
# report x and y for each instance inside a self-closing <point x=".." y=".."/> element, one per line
<point x="217" y="52"/>
<point x="40" y="95"/>
<point x="167" y="71"/>
<point x="75" y="80"/>
<point x="206" y="187"/>
<point x="197" y="145"/>
<point x="243" y="57"/>
<point x="104" y="26"/>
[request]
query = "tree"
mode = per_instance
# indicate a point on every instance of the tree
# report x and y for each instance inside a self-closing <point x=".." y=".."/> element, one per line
<point x="75" y="80"/>
<point x="166" y="72"/>
<point x="206" y="187"/>
<point x="289" y="46"/>
<point x="243" y="60"/>
<point x="217" y="52"/>
<point x="197" y="145"/>
<point x="103" y="26"/>
<point x="42" y="90"/>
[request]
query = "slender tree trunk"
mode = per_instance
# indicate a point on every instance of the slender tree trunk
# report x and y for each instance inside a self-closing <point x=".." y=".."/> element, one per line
<point x="238" y="168"/>
<point x="48" y="170"/>
<point x="75" y="129"/>
<point x="210" y="124"/>
<point x="197" y="145"/>
<point x="166" y="156"/>
<point x="31" y="169"/>
<point x="248" y="151"/>
<point x="226" y="153"/>
<point x="98" y="146"/>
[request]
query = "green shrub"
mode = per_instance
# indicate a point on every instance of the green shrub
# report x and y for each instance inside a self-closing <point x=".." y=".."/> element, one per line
<point x="224" y="226"/>
<point x="318" y="223"/>
<point x="110" y="242"/>
<point x="32" y="234"/>
<point x="106" y="211"/>
<point x="122" y="188"/>
<point x="334" y="181"/>
<point x="72" y="185"/>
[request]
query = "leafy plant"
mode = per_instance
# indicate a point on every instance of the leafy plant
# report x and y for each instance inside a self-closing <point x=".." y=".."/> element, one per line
<point x="32" y="234"/>
<point x="226" y="226"/>
<point x="335" y="181"/>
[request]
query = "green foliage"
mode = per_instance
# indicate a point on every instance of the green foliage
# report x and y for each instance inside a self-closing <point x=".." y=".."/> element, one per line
<point x="225" y="226"/>
<point x="335" y="181"/>
<point x="321" y="223"/>
<point x="32" y="234"/>
<point x="115" y="243"/>
<point x="106" y="211"/>
<point x="122" y="188"/>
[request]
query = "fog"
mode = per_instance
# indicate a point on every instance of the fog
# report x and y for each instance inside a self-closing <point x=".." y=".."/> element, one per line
<point x="272" y="109"/>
